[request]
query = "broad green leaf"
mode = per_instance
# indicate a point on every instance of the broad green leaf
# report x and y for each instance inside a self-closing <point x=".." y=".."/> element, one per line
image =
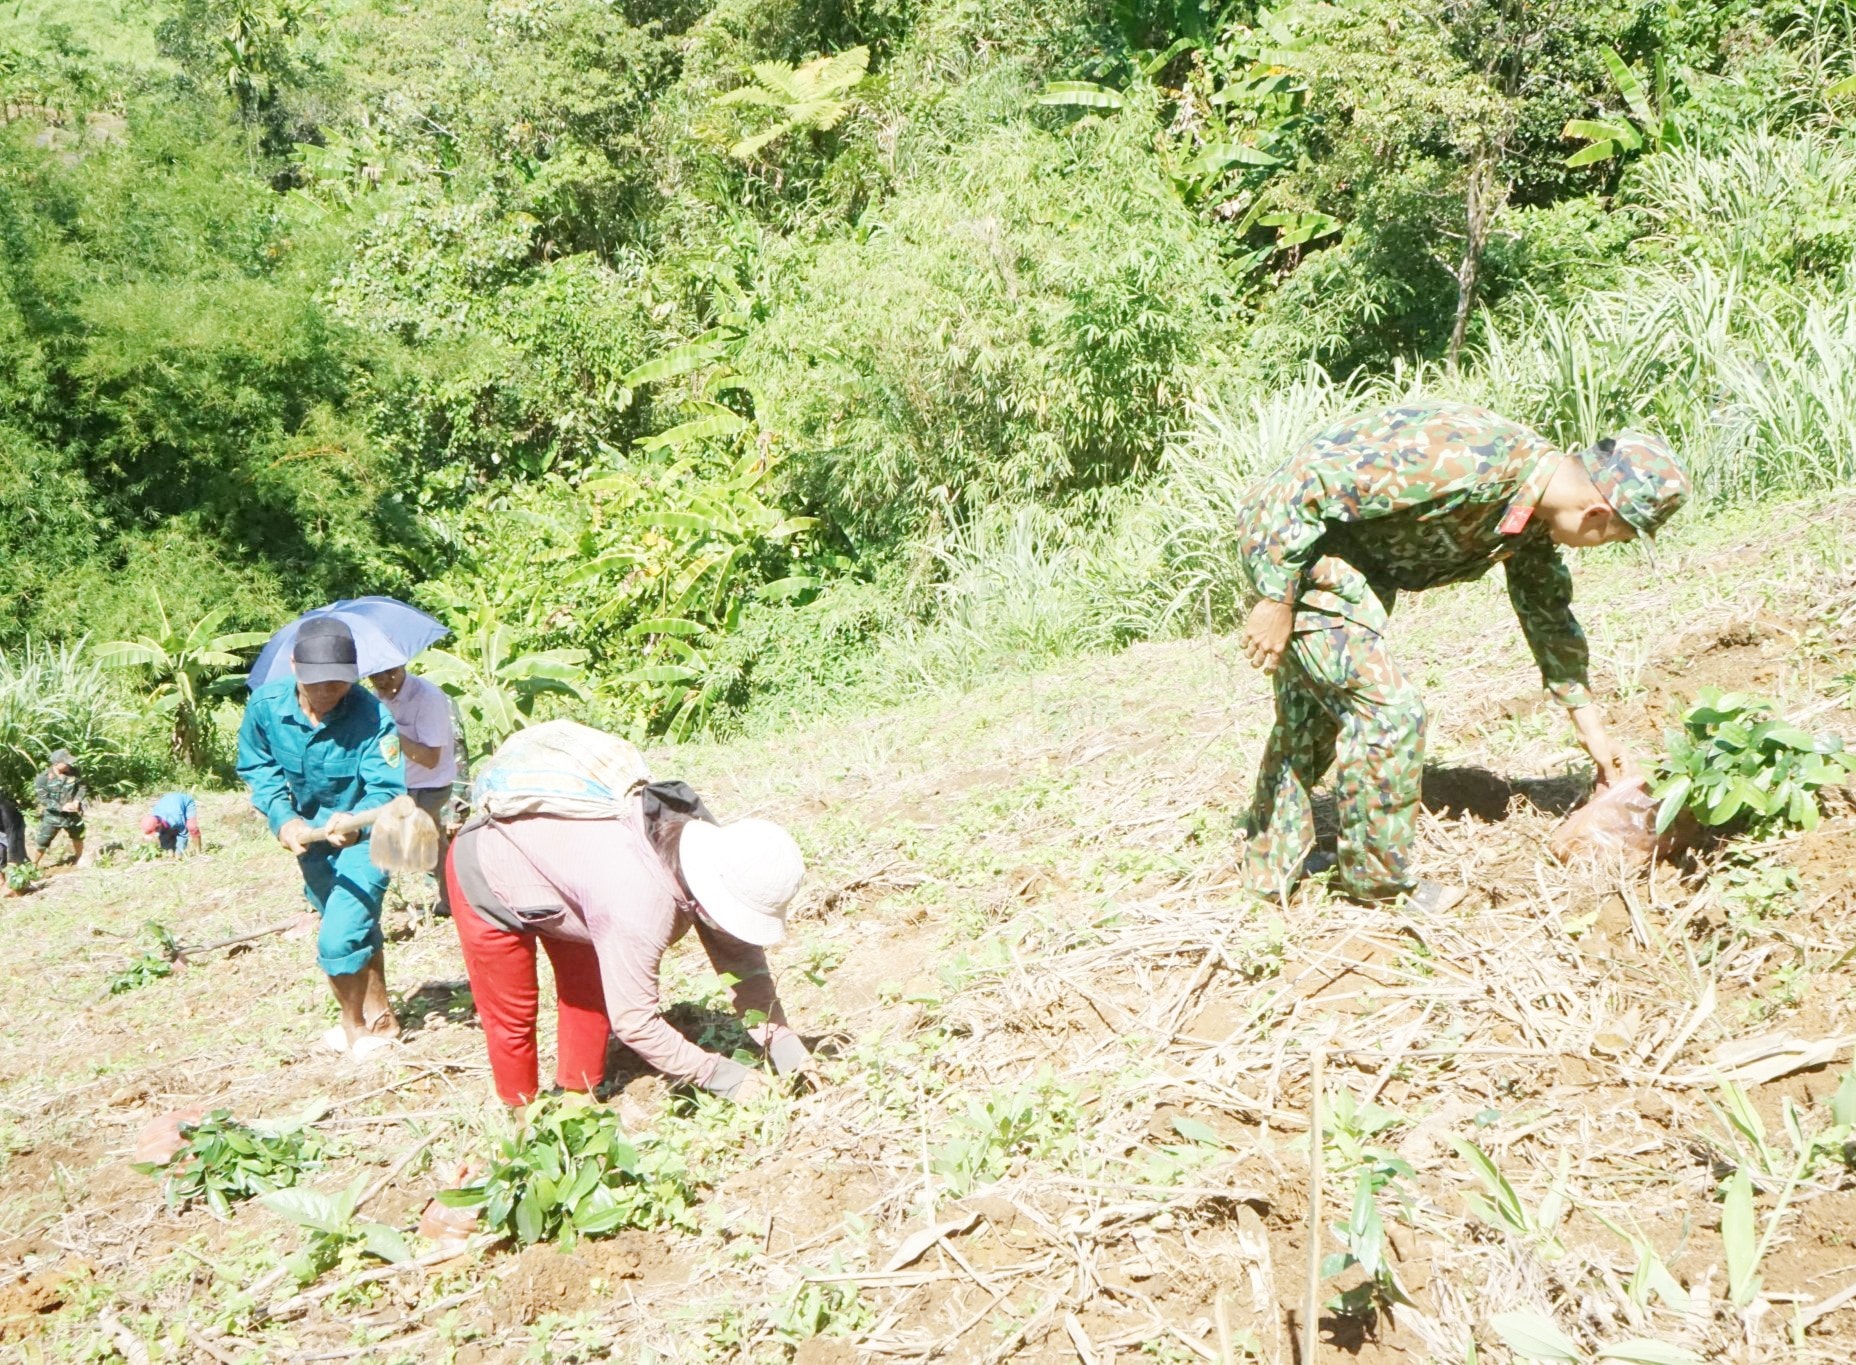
<point x="677" y="360"/>
<point x="1740" y="1239"/>
<point x="703" y="428"/>
<point x="1629" y="84"/>
<point x="1838" y="89"/>
<point x="1642" y="1351"/>
<point x="1193" y="1130"/>
<point x="664" y="625"/>
<point x="1598" y="151"/>
<point x="305" y="1207"/>
<point x="661" y="673"/>
<point x="1534" y="1336"/>
<point x="385" y="1242"/>
<point x="528" y="1219"/>
<point x="1591" y="130"/>
<point x="1081" y="94"/>
<point x="785" y="589"/>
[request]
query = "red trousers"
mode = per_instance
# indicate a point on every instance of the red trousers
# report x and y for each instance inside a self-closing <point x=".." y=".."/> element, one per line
<point x="501" y="966"/>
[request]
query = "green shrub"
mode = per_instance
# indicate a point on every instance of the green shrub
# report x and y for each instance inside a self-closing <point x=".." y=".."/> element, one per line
<point x="571" y="1172"/>
<point x="225" y="1161"/>
<point x="1010" y="335"/>
<point x="1734" y="760"/>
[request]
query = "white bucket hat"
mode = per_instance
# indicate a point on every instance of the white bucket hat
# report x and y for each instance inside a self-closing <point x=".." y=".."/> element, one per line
<point x="743" y="874"/>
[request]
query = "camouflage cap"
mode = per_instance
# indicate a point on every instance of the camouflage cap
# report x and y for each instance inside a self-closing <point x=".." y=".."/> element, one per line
<point x="1638" y="475"/>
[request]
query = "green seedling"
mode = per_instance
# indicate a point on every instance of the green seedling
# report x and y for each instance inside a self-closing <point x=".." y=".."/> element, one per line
<point x="571" y="1172"/>
<point x="225" y="1161"/>
<point x="1363" y="1236"/>
<point x="1535" y="1336"/>
<point x="330" y="1229"/>
<point x="1501" y="1206"/>
<point x="148" y="967"/>
<point x="1038" y="1121"/>
<point x="1745" y="1245"/>
<point x="1734" y="761"/>
<point x="821" y="1308"/>
<point x="1167" y="1163"/>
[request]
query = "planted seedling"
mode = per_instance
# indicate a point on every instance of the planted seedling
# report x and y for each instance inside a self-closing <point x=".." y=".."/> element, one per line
<point x="570" y="1171"/>
<point x="1347" y="1150"/>
<point x="330" y="1229"/>
<point x="147" y="967"/>
<point x="224" y="1161"/>
<point x="1735" y="761"/>
<point x="1037" y="1121"/>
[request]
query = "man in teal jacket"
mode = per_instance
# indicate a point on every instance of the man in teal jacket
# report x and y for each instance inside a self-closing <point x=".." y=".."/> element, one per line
<point x="311" y="746"/>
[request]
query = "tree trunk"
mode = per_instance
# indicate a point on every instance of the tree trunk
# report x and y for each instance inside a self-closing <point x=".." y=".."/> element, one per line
<point x="1484" y="196"/>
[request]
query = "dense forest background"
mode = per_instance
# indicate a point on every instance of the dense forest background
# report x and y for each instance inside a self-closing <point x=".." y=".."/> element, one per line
<point x="715" y="360"/>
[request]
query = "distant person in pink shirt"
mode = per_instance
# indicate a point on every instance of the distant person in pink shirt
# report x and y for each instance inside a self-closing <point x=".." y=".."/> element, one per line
<point x="429" y="741"/>
<point x="605" y="899"/>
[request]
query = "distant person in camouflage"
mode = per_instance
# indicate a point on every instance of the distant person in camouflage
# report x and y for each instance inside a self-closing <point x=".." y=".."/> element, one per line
<point x="60" y="792"/>
<point x="1408" y="498"/>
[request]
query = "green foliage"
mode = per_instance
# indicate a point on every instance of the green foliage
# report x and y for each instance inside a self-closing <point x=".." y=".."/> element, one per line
<point x="53" y="697"/>
<point x="1647" y="127"/>
<point x="1349" y="1151"/>
<point x="147" y="967"/>
<point x="979" y="300"/>
<point x="1037" y="1121"/>
<point x="330" y="1229"/>
<point x="570" y="1171"/>
<point x="818" y="1308"/>
<point x="179" y="665"/>
<point x="225" y="1161"/>
<point x="495" y="681"/>
<point x="808" y="98"/>
<point x="1734" y="760"/>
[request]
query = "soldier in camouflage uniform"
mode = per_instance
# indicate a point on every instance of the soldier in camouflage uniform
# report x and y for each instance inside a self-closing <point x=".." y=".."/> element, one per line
<point x="1408" y="498"/>
<point x="60" y="792"/>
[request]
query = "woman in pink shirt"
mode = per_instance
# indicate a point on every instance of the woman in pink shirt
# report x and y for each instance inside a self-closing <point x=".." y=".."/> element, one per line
<point x="605" y="898"/>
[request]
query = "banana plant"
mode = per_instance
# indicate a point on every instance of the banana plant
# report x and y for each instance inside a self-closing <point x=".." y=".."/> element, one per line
<point x="495" y="682"/>
<point x="1646" y="126"/>
<point x="181" y="667"/>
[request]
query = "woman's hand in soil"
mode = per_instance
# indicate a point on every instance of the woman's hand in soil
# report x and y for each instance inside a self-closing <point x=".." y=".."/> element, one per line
<point x="1266" y="633"/>
<point x="753" y="1090"/>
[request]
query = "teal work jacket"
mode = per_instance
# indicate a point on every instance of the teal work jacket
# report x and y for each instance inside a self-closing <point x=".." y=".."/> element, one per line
<point x="350" y="762"/>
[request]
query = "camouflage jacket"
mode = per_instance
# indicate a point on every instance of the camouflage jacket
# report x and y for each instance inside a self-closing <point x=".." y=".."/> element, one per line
<point x="54" y="789"/>
<point x="1411" y="497"/>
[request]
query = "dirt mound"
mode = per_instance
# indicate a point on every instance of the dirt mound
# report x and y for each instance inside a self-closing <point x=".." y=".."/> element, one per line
<point x="544" y="1279"/>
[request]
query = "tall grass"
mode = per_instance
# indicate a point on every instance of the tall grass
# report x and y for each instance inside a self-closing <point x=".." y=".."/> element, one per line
<point x="1734" y="341"/>
<point x="51" y="697"/>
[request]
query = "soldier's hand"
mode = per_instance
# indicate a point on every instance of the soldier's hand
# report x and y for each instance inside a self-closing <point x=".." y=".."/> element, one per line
<point x="1266" y="633"/>
<point x="294" y="836"/>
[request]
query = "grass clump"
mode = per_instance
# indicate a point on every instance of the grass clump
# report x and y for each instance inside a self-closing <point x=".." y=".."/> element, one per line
<point x="570" y="1171"/>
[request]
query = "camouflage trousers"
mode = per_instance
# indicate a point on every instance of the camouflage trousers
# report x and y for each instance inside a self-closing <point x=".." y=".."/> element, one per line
<point x="1340" y="699"/>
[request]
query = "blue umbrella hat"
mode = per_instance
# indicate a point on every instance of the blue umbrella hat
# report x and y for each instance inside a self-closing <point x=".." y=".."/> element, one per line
<point x="387" y="634"/>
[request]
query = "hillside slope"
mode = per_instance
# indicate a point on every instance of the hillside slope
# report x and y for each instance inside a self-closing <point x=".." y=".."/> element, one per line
<point x="1059" y="1037"/>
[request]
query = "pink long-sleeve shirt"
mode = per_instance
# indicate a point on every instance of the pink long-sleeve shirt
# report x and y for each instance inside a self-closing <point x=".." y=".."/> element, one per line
<point x="619" y="897"/>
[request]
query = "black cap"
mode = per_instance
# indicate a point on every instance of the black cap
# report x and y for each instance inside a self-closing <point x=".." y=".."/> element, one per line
<point x="324" y="651"/>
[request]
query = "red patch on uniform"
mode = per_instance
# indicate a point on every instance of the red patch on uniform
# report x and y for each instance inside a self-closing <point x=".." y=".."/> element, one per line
<point x="1516" y="521"/>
